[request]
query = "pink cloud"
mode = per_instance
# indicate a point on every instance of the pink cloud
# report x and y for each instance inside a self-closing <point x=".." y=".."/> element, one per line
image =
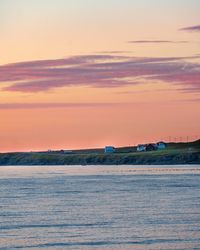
<point x="99" y="71"/>
<point x="155" y="41"/>
<point x="55" y="105"/>
<point x="191" y="28"/>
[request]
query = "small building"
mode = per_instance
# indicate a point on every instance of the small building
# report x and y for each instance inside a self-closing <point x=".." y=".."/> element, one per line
<point x="109" y="149"/>
<point x="161" y="145"/>
<point x="141" y="148"/>
<point x="151" y="147"/>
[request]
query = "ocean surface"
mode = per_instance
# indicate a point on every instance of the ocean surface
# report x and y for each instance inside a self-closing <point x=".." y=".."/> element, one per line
<point x="100" y="207"/>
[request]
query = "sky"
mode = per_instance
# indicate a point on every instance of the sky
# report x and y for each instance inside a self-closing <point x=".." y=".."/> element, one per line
<point x="90" y="73"/>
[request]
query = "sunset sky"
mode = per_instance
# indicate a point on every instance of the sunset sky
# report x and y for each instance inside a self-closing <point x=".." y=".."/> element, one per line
<point x="89" y="73"/>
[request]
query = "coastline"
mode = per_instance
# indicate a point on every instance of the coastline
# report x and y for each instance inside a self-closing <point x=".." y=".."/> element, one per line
<point x="30" y="159"/>
<point x="174" y="154"/>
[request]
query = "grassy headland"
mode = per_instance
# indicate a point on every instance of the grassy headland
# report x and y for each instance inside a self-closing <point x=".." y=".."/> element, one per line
<point x="175" y="153"/>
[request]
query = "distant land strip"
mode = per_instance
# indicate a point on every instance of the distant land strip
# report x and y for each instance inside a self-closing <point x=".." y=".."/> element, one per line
<point x="174" y="153"/>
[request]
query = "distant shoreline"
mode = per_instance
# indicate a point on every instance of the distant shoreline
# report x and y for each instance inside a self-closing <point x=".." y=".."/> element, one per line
<point x="174" y="154"/>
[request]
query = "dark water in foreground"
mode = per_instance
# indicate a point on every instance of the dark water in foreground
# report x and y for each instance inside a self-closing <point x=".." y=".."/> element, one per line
<point x="100" y="207"/>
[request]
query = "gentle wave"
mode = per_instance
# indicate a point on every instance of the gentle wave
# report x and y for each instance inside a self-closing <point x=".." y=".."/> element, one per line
<point x="100" y="207"/>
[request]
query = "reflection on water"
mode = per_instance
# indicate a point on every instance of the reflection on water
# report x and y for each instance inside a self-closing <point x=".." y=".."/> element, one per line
<point x="98" y="207"/>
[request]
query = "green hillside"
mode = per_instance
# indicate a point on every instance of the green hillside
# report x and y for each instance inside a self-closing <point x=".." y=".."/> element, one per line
<point x="175" y="153"/>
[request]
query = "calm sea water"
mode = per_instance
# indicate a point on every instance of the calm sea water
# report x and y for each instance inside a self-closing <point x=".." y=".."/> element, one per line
<point x="98" y="207"/>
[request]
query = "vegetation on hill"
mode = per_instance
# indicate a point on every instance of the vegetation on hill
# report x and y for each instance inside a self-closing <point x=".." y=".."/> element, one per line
<point x="175" y="153"/>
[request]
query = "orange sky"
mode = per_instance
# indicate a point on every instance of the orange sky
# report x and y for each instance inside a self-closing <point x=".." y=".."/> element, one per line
<point x="77" y="75"/>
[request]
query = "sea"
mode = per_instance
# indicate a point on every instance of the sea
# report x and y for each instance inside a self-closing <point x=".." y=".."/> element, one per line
<point x="100" y="207"/>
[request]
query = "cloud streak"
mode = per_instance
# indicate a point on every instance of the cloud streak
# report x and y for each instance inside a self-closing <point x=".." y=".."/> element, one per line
<point x="114" y="52"/>
<point x="7" y="106"/>
<point x="99" y="71"/>
<point x="156" y="41"/>
<point x="191" y="28"/>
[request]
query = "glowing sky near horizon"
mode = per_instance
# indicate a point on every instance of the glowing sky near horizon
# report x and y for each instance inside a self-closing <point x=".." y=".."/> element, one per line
<point x="89" y="73"/>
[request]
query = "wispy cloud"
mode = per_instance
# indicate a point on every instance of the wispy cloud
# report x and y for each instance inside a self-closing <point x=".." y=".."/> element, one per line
<point x="191" y="28"/>
<point x="193" y="100"/>
<point x="156" y="41"/>
<point x="114" y="52"/>
<point x="54" y="105"/>
<point x="99" y="71"/>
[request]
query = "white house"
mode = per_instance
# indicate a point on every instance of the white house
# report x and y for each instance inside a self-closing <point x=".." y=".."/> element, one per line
<point x="141" y="148"/>
<point x="109" y="149"/>
<point x="161" y="145"/>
